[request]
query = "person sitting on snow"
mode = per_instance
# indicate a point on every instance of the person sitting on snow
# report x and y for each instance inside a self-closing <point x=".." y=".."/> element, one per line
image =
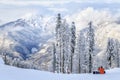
<point x="101" y="70"/>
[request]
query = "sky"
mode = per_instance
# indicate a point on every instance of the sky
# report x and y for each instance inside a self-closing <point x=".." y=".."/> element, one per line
<point x="11" y="10"/>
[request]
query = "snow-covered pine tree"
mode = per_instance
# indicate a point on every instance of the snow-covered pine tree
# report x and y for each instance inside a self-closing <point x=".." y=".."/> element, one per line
<point x="90" y="46"/>
<point x="117" y="43"/>
<point x="62" y="43"/>
<point x="58" y="43"/>
<point x="109" y="52"/>
<point x="54" y="58"/>
<point x="65" y="46"/>
<point x="112" y="53"/>
<point x="82" y="51"/>
<point x="72" y="44"/>
<point x="4" y="56"/>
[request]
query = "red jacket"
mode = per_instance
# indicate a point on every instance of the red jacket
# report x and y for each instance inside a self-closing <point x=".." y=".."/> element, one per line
<point x="101" y="70"/>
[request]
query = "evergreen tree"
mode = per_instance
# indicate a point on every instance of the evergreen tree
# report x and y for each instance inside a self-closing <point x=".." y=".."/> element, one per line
<point x="65" y="46"/>
<point x="58" y="43"/>
<point x="117" y="43"/>
<point x="72" y="44"/>
<point x="112" y="53"/>
<point x="62" y="43"/>
<point x="90" y="46"/>
<point x="54" y="58"/>
<point x="82" y="51"/>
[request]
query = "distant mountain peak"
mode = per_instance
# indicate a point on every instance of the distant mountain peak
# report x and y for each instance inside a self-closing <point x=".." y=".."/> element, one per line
<point x="31" y="16"/>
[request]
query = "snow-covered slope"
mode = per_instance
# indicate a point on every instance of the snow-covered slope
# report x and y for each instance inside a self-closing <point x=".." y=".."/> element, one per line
<point x="13" y="73"/>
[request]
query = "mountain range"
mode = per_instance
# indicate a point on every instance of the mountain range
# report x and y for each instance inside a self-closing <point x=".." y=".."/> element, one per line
<point x="27" y="42"/>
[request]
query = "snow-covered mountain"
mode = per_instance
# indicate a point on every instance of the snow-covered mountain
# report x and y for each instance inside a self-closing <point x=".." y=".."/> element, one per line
<point x="24" y="31"/>
<point x="26" y="36"/>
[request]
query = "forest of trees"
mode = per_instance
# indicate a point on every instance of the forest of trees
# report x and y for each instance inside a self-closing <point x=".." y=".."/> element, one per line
<point x="72" y="52"/>
<point x="77" y="54"/>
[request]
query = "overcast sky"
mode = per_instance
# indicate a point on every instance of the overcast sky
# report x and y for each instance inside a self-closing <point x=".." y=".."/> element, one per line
<point x="14" y="9"/>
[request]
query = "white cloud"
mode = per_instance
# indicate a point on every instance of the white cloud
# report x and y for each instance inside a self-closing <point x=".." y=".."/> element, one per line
<point x="52" y="2"/>
<point x="98" y="1"/>
<point x="21" y="7"/>
<point x="32" y="2"/>
<point x="11" y="14"/>
<point x="58" y="9"/>
<point x="112" y="1"/>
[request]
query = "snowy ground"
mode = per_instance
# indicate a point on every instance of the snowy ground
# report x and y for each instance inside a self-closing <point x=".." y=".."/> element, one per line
<point x="13" y="73"/>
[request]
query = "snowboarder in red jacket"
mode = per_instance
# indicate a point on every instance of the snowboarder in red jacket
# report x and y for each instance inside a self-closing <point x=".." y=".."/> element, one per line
<point x="101" y="70"/>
